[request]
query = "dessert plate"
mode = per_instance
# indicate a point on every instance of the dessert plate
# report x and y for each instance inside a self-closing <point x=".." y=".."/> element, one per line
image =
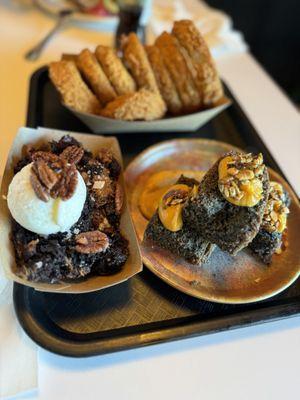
<point x="224" y="278"/>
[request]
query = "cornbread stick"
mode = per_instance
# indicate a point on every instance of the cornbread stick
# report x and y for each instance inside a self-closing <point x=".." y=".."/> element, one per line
<point x="207" y="78"/>
<point x="141" y="105"/>
<point x="74" y="92"/>
<point x="92" y="71"/>
<point x="137" y="61"/>
<point x="176" y="65"/>
<point x="165" y="84"/>
<point x="114" y="69"/>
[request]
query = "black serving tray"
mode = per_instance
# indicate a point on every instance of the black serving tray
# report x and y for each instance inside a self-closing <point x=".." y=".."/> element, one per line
<point x="143" y="310"/>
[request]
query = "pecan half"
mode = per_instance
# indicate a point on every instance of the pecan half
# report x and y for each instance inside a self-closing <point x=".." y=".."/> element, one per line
<point x="119" y="198"/>
<point x="66" y="185"/>
<point x="45" y="174"/>
<point x="45" y="156"/>
<point x="91" y="242"/>
<point x="72" y="154"/>
<point x="53" y="176"/>
<point x="41" y="191"/>
<point x="52" y="160"/>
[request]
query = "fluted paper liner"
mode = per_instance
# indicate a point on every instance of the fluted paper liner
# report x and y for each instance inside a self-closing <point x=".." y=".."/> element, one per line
<point x="181" y="123"/>
<point x="7" y="258"/>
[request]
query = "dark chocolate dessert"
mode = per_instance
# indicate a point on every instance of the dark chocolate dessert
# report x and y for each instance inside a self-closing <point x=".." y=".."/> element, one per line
<point x="94" y="243"/>
<point x="269" y="238"/>
<point x="229" y="205"/>
<point x="167" y="230"/>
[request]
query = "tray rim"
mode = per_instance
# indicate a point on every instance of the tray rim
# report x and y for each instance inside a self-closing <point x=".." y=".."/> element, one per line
<point x="184" y="329"/>
<point x="265" y="312"/>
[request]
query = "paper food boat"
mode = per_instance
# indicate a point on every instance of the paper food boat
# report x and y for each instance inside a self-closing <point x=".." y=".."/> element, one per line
<point x="189" y="122"/>
<point x="7" y="257"/>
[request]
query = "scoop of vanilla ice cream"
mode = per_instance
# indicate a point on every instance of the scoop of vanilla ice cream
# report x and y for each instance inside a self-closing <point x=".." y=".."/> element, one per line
<point x="44" y="218"/>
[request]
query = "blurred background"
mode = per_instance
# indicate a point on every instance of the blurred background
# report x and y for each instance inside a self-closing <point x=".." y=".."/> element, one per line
<point x="271" y="29"/>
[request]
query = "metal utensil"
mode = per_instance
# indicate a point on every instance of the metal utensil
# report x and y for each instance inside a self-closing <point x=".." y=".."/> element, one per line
<point x="34" y="53"/>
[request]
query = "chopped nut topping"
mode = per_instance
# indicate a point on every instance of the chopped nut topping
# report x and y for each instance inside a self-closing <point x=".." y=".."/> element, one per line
<point x="72" y="154"/>
<point x="104" y="224"/>
<point x="171" y="204"/>
<point x="98" y="185"/>
<point x="232" y="171"/>
<point x="176" y="196"/>
<point x="91" y="242"/>
<point x="240" y="179"/>
<point x="245" y="174"/>
<point x="103" y="187"/>
<point x="275" y="214"/>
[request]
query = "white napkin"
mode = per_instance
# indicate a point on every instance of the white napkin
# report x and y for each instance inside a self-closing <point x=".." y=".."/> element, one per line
<point x="18" y="369"/>
<point x="215" y="25"/>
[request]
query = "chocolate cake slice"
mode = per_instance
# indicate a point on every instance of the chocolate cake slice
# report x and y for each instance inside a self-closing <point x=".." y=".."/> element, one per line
<point x="229" y="205"/>
<point x="269" y="238"/>
<point x="180" y="239"/>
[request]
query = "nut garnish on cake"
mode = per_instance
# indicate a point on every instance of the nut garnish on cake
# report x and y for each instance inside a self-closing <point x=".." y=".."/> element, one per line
<point x="276" y="211"/>
<point x="170" y="207"/>
<point x="240" y="179"/>
<point x="269" y="239"/>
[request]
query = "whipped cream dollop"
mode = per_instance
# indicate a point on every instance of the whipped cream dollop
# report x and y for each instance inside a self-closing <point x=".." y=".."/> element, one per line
<point x="44" y="218"/>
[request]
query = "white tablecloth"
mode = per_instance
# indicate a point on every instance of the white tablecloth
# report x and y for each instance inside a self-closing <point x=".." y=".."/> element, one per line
<point x="259" y="362"/>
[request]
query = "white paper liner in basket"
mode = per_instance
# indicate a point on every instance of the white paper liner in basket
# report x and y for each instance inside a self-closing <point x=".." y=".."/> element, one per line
<point x="7" y="257"/>
<point x="189" y="122"/>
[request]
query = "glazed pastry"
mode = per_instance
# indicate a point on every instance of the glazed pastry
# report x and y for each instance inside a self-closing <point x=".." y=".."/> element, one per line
<point x="230" y="202"/>
<point x="167" y="230"/>
<point x="269" y="238"/>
